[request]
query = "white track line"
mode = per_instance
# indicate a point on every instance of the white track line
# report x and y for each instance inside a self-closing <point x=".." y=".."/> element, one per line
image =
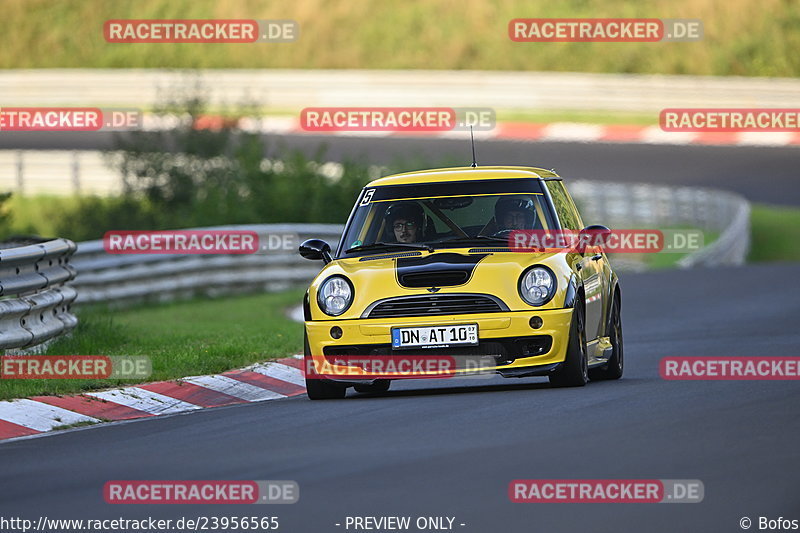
<point x="144" y="400"/>
<point x="655" y="135"/>
<point x="567" y="131"/>
<point x="281" y="372"/>
<point x="232" y="387"/>
<point x="765" y="138"/>
<point x="39" y="416"/>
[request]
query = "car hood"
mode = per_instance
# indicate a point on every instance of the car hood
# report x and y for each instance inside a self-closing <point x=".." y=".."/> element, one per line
<point x="444" y="271"/>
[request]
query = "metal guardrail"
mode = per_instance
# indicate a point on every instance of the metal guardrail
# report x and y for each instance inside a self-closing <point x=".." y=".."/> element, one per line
<point x="123" y="279"/>
<point x="296" y="89"/>
<point x="34" y="298"/>
<point x="723" y="213"/>
<point x="130" y="278"/>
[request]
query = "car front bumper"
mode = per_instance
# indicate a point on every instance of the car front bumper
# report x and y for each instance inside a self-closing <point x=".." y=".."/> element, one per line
<point x="517" y="348"/>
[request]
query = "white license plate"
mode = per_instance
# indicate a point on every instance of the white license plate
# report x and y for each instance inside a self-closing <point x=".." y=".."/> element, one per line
<point x="435" y="336"/>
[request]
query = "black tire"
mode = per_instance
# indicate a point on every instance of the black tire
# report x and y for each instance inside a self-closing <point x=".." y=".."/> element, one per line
<point x="616" y="363"/>
<point x="380" y="385"/>
<point x="575" y="370"/>
<point x="317" y="388"/>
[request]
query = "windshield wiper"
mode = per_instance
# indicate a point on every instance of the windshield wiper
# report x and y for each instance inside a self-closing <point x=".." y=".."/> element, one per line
<point x="379" y="245"/>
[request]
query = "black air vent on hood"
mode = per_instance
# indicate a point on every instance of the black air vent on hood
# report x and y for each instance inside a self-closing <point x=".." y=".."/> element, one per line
<point x="437" y="270"/>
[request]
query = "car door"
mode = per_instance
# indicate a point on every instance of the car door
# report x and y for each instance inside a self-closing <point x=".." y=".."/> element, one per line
<point x="590" y="264"/>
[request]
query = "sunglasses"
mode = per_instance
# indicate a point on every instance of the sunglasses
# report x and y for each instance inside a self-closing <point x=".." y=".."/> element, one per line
<point x="400" y="225"/>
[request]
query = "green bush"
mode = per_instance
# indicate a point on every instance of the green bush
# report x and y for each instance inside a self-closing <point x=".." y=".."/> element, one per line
<point x="192" y="177"/>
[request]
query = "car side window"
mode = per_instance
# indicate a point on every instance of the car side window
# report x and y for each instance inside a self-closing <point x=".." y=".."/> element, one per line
<point x="565" y="208"/>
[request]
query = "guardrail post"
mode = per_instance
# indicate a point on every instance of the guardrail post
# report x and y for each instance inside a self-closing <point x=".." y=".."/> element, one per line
<point x="76" y="172"/>
<point x="20" y="172"/>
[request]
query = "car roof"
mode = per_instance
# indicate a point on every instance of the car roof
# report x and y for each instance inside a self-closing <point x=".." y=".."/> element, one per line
<point x="440" y="175"/>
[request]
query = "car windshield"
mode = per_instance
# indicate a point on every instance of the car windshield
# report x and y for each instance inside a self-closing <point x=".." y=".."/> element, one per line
<point x="444" y="215"/>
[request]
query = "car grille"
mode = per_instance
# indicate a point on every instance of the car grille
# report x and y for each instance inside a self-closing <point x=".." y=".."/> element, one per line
<point x="505" y="350"/>
<point x="489" y="250"/>
<point x="434" y="279"/>
<point x="435" y="305"/>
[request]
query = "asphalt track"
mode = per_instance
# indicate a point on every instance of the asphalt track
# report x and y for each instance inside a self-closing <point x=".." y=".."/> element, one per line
<point x="762" y="174"/>
<point x="451" y="448"/>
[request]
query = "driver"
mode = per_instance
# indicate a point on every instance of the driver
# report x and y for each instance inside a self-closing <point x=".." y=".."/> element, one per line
<point x="406" y="220"/>
<point x="514" y="213"/>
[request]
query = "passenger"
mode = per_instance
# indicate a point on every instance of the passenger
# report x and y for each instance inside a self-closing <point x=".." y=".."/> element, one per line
<point x="514" y="214"/>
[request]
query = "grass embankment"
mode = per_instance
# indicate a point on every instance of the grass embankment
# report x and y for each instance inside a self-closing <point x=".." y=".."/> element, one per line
<point x="195" y="337"/>
<point x="741" y="37"/>
<point x="775" y="234"/>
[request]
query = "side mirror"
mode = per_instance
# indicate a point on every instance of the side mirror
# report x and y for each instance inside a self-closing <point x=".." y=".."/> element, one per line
<point x="596" y="233"/>
<point x="597" y="229"/>
<point x="316" y="249"/>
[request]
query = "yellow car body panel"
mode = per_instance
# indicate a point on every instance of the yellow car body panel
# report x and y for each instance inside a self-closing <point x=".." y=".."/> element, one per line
<point x="556" y="323"/>
<point x="377" y="279"/>
<point x="443" y="175"/>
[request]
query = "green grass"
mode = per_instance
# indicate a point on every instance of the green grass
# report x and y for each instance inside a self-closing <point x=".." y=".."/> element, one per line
<point x="664" y="260"/>
<point x="775" y="233"/>
<point x="584" y="117"/>
<point x="774" y="236"/>
<point x="203" y="336"/>
<point x="741" y="37"/>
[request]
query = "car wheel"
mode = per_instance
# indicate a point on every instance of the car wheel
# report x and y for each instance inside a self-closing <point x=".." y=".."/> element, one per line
<point x="317" y="388"/>
<point x="616" y="363"/>
<point x="380" y="385"/>
<point x="574" y="372"/>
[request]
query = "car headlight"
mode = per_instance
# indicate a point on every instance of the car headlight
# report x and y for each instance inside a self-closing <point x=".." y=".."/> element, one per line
<point x="335" y="295"/>
<point x="537" y="285"/>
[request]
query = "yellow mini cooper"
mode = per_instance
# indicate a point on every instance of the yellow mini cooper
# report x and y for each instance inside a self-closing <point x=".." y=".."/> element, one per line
<point x="425" y="274"/>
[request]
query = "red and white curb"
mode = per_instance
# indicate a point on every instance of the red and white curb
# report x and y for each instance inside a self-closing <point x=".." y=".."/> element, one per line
<point x="523" y="131"/>
<point x="256" y="383"/>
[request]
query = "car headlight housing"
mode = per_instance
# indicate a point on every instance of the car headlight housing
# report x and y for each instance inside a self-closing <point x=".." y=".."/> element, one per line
<point x="335" y="295"/>
<point x="537" y="285"/>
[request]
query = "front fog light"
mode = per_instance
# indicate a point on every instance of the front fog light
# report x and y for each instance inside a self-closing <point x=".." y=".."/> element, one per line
<point x="335" y="295"/>
<point x="537" y="285"/>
